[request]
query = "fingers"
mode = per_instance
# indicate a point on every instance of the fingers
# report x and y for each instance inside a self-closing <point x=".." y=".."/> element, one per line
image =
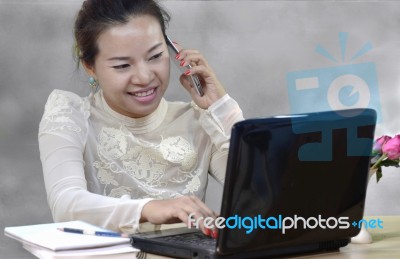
<point x="211" y="87"/>
<point x="187" y="209"/>
<point x="200" y="67"/>
<point x="197" y="214"/>
<point x="193" y="58"/>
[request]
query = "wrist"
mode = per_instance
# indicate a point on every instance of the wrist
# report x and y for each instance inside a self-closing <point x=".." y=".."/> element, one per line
<point x="146" y="210"/>
<point x="217" y="103"/>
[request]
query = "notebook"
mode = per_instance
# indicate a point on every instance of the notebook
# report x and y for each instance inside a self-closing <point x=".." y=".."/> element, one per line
<point x="294" y="184"/>
<point x="45" y="241"/>
<point x="48" y="236"/>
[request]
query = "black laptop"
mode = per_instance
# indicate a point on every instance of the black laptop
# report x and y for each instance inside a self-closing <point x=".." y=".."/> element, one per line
<point x="294" y="184"/>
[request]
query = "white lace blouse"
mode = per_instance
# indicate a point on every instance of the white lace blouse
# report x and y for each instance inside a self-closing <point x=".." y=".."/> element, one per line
<point x="103" y="167"/>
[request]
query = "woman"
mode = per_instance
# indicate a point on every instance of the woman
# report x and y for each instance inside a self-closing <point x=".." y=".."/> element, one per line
<point x="124" y="155"/>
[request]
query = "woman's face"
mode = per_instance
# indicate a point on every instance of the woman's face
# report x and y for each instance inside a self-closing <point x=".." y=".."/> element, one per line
<point x="132" y="66"/>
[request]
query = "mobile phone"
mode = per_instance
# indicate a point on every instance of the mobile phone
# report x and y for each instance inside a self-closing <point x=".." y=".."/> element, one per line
<point x="194" y="78"/>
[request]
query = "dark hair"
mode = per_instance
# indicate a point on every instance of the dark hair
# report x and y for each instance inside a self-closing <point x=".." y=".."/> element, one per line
<point x="95" y="16"/>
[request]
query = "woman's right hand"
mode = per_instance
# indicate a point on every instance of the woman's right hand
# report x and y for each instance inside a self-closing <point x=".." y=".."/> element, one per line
<point x="178" y="210"/>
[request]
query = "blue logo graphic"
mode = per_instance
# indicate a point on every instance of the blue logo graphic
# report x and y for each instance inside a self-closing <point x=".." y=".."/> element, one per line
<point x="333" y="88"/>
<point x="372" y="223"/>
<point x="280" y="222"/>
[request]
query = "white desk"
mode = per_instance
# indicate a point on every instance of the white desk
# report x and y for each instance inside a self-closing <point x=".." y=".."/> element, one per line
<point x="386" y="244"/>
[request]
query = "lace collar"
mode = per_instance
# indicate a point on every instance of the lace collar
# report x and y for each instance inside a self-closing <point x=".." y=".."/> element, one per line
<point x="137" y="125"/>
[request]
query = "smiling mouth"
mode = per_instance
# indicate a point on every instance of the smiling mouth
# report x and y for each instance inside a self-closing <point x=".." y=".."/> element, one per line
<point x="143" y="94"/>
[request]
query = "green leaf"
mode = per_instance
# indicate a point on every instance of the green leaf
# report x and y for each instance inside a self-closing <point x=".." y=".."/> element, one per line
<point x="378" y="174"/>
<point x="388" y="163"/>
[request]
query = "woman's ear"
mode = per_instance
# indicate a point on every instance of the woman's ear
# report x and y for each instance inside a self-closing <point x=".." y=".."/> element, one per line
<point x="89" y="69"/>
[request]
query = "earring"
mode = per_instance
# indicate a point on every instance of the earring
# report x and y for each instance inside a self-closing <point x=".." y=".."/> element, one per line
<point x="93" y="83"/>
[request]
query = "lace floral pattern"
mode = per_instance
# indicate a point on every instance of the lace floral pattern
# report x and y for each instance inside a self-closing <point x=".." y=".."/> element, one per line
<point x="124" y="157"/>
<point x="120" y="153"/>
<point x="57" y="114"/>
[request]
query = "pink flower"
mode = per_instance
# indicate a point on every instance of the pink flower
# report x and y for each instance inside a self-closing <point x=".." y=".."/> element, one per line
<point x="377" y="148"/>
<point x="392" y="148"/>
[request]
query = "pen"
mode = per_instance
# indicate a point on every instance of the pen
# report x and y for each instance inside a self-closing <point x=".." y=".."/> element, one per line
<point x="93" y="233"/>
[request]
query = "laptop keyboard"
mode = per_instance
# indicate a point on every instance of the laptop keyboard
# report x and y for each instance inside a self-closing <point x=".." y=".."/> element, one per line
<point x="193" y="239"/>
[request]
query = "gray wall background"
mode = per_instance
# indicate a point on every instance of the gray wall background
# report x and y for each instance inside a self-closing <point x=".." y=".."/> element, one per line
<point x="251" y="45"/>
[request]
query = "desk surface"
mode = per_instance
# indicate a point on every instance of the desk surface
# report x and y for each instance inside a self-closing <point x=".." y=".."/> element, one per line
<point x="386" y="244"/>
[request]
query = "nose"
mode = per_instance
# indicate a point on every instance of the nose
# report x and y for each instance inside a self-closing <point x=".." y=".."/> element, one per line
<point x="143" y="75"/>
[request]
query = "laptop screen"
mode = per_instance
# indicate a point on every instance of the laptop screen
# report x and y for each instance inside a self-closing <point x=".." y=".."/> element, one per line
<point x="297" y="179"/>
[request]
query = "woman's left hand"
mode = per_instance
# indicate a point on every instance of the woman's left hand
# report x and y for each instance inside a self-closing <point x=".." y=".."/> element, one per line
<point x="212" y="88"/>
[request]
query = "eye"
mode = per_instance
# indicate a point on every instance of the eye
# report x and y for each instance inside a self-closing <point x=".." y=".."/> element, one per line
<point x="156" y="56"/>
<point x="121" y="66"/>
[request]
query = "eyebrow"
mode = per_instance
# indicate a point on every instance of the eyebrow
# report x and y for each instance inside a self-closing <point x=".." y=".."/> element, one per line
<point x="127" y="58"/>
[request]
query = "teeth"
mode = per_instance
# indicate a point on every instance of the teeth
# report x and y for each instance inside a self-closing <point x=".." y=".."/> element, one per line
<point x="143" y="94"/>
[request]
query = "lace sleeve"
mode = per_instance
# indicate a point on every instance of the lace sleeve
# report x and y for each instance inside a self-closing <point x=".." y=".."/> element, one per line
<point x="217" y="121"/>
<point x="65" y="115"/>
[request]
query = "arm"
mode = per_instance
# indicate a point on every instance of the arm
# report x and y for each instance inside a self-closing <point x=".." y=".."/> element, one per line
<point x="217" y="121"/>
<point x="67" y="194"/>
<point x="62" y="138"/>
<point x="218" y="112"/>
<point x="69" y="199"/>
